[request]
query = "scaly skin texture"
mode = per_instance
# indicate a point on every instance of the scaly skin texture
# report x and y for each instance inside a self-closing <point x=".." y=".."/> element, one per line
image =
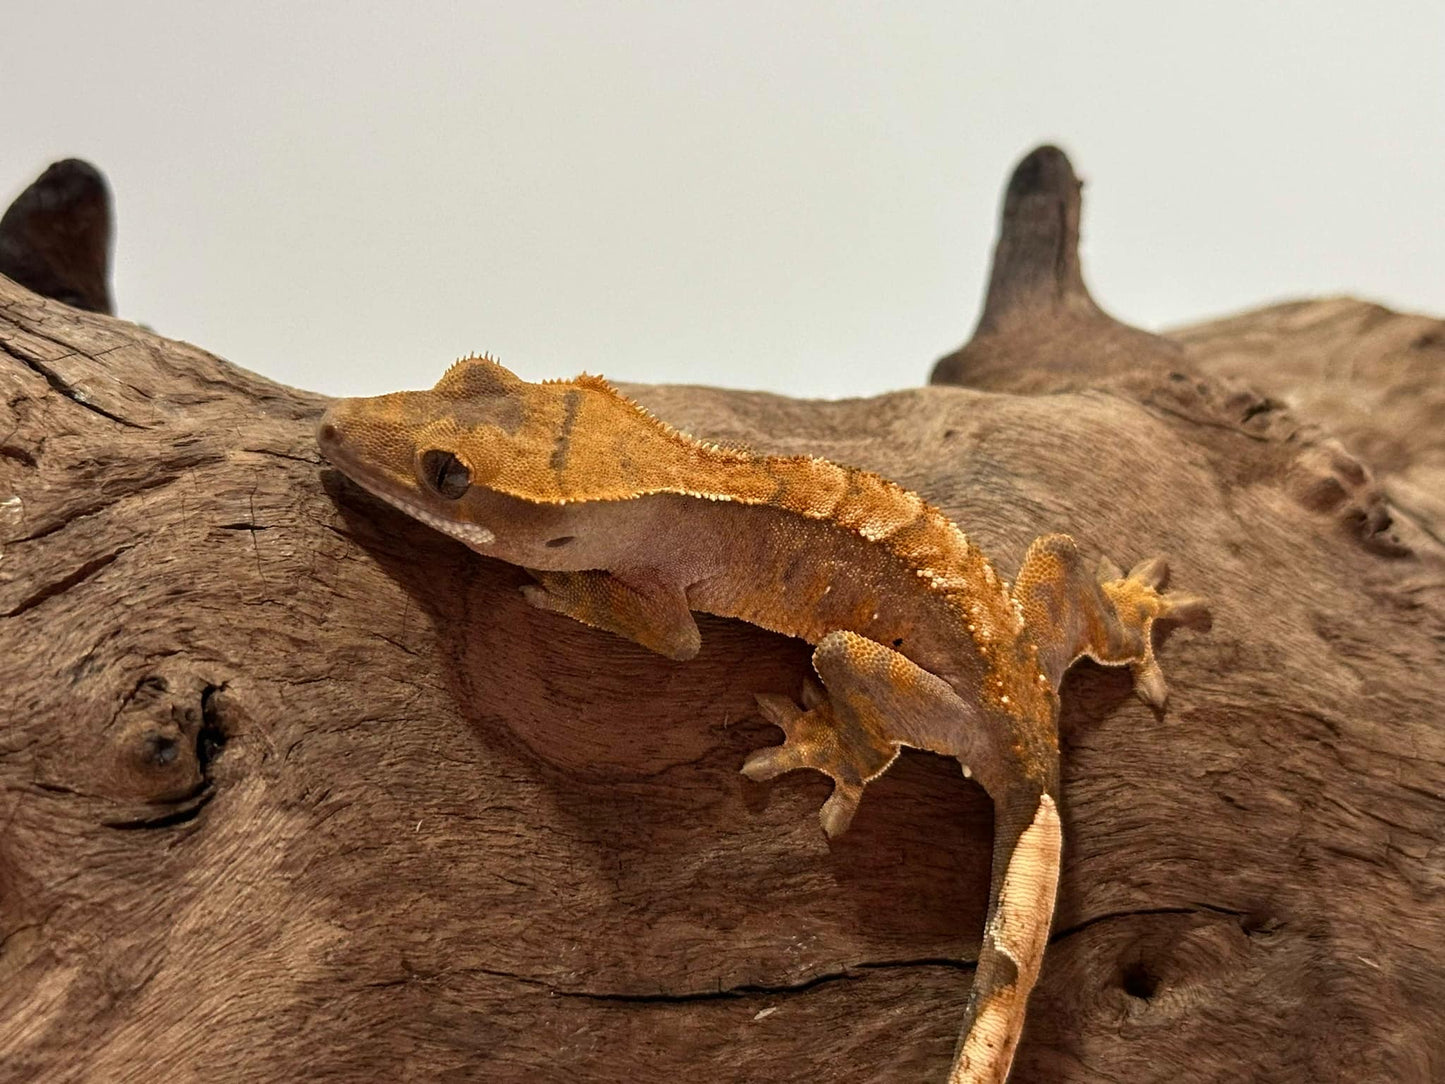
<point x="630" y="526"/>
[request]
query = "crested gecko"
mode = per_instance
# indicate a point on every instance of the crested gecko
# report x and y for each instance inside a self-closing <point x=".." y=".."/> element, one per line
<point x="629" y="525"/>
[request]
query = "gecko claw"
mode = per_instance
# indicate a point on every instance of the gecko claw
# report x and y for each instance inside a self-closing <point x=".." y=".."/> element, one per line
<point x="765" y="764"/>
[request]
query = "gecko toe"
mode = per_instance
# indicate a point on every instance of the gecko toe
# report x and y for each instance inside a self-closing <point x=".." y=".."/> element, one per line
<point x="839" y="746"/>
<point x="1189" y="610"/>
<point x="1149" y="683"/>
<point x="813" y="694"/>
<point x="1151" y="573"/>
<point x="765" y="764"/>
<point x="778" y="710"/>
<point x="837" y="812"/>
<point x="536" y="596"/>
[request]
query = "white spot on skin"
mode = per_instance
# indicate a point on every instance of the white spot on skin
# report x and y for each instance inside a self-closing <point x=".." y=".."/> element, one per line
<point x="763" y="1014"/>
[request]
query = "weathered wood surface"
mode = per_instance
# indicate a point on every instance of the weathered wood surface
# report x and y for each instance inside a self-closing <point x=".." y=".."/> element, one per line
<point x="1369" y="377"/>
<point x="295" y="788"/>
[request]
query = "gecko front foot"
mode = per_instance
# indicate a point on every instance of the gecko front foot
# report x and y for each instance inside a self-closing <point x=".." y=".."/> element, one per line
<point x="821" y="738"/>
<point x="646" y="608"/>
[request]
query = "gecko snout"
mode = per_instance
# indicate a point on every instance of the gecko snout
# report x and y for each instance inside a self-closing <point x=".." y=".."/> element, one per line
<point x="328" y="432"/>
<point x="339" y="427"/>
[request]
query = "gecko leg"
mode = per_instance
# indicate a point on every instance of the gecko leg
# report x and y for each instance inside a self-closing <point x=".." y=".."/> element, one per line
<point x="876" y="701"/>
<point x="646" y="611"/>
<point x="1073" y="610"/>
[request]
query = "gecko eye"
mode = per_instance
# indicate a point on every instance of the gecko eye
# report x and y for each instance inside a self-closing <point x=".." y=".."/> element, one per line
<point x="445" y="474"/>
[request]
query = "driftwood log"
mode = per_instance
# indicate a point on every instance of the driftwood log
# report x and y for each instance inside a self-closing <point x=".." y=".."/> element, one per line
<point x="297" y="789"/>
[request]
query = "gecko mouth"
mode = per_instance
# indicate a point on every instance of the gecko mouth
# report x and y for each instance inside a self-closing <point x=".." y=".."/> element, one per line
<point x="471" y="534"/>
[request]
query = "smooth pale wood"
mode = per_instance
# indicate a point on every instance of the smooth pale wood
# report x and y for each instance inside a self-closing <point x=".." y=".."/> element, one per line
<point x="295" y="788"/>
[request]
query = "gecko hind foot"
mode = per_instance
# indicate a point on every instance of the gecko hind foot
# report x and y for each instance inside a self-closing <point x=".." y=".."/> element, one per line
<point x="1140" y="600"/>
<point x="818" y="737"/>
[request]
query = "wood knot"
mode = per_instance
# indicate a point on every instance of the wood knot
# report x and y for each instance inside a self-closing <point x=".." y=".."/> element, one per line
<point x="147" y="762"/>
<point x="157" y="738"/>
<point x="1138" y="981"/>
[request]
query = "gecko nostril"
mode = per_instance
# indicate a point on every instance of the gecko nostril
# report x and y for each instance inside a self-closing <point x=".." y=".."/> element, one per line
<point x="327" y="432"/>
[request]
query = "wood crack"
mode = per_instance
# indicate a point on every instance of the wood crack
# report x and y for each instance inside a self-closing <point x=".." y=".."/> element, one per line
<point x="743" y="990"/>
<point x="1195" y="909"/>
<point x="69" y="391"/>
<point x="188" y="809"/>
<point x="851" y="973"/>
<point x="65" y="583"/>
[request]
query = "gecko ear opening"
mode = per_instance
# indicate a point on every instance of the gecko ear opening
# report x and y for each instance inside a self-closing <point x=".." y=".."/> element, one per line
<point x="444" y="474"/>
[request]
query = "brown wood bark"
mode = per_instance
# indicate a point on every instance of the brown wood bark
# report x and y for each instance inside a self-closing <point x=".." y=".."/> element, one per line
<point x="1369" y="377"/>
<point x="295" y="788"/>
<point x="55" y="238"/>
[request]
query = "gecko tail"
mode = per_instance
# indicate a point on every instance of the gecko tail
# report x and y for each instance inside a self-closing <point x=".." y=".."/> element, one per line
<point x="1028" y="845"/>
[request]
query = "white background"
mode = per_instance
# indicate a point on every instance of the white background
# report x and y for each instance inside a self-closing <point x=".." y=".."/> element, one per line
<point x="792" y="196"/>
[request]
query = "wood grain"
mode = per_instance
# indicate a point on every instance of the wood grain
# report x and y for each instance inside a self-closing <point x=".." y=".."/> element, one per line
<point x="295" y="788"/>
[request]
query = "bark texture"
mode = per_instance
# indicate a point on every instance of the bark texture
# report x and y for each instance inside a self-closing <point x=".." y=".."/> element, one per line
<point x="296" y="788"/>
<point x="1370" y="377"/>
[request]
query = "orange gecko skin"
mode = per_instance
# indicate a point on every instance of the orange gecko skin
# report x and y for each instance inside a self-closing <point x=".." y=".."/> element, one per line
<point x="631" y="526"/>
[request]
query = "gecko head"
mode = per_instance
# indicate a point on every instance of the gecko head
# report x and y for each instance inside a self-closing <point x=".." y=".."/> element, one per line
<point x="488" y="457"/>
